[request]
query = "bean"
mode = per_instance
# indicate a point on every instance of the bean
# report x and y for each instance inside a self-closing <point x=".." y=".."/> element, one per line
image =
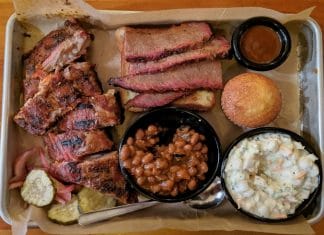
<point x="187" y="147"/>
<point x="149" y="166"/>
<point x="182" y="187"/>
<point x="136" y="161"/>
<point x="197" y="146"/>
<point x="124" y="153"/>
<point x="127" y="164"/>
<point x="140" y="143"/>
<point x="151" y="179"/>
<point x="204" y="150"/>
<point x="202" y="137"/>
<point x="155" y="188"/>
<point x="171" y="148"/>
<point x="152" y="130"/>
<point x="193" y="162"/>
<point x="183" y="174"/>
<point x="161" y="163"/>
<point x="192" y="184"/>
<point x="156" y="171"/>
<point x="147" y="158"/>
<point x="167" y="185"/>
<point x="203" y="168"/>
<point x="192" y="171"/>
<point x="201" y="177"/>
<point x="185" y="129"/>
<point x="179" y="143"/>
<point x="139" y="153"/>
<point x="152" y="141"/>
<point x="130" y="140"/>
<point x="174" y="191"/>
<point x="148" y="172"/>
<point x="141" y="180"/>
<point x="132" y="150"/>
<point x="192" y="131"/>
<point x="174" y="169"/>
<point x="194" y="139"/>
<point x="168" y="157"/>
<point x="180" y="151"/>
<point x="139" y="134"/>
<point x="139" y="171"/>
<point x="161" y="177"/>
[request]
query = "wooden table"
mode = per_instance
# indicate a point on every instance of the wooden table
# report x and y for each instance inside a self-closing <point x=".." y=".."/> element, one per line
<point x="288" y="6"/>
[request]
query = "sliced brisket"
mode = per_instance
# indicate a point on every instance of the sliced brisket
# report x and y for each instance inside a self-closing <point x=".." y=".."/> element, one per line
<point x="144" y="44"/>
<point x="216" y="48"/>
<point x="93" y="113"/>
<point x="102" y="174"/>
<point x="73" y="145"/>
<point x="150" y="100"/>
<point x="205" y="74"/>
<point x="58" y="48"/>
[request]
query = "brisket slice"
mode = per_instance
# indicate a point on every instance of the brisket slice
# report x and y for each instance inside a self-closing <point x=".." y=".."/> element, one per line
<point x="205" y="74"/>
<point x="58" y="48"/>
<point x="101" y="174"/>
<point x="144" y="44"/>
<point x="93" y="113"/>
<point x="55" y="98"/>
<point x="74" y="145"/>
<point x="150" y="100"/>
<point x="216" y="48"/>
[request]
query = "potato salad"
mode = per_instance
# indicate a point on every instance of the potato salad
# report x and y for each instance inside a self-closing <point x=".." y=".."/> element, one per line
<point x="270" y="175"/>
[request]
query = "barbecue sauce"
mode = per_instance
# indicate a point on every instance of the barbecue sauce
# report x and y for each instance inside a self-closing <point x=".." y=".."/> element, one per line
<point x="260" y="44"/>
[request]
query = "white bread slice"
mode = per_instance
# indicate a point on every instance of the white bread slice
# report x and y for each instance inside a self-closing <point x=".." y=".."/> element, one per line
<point x="200" y="100"/>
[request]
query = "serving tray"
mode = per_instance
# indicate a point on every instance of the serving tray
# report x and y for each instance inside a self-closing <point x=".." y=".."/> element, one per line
<point x="307" y="120"/>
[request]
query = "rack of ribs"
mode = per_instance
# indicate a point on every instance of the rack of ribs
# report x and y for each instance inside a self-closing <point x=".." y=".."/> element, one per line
<point x="93" y="113"/>
<point x="57" y="49"/>
<point x="58" y="93"/>
<point x="75" y="145"/>
<point x="101" y="174"/>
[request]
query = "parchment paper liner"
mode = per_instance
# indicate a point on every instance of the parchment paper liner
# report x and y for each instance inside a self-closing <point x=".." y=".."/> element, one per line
<point x="172" y="216"/>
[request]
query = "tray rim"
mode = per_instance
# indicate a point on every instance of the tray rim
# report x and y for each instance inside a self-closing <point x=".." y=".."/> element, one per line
<point x="4" y="214"/>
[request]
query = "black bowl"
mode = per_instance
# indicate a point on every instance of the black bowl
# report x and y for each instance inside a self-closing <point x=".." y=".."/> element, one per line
<point x="172" y="118"/>
<point x="304" y="205"/>
<point x="264" y="21"/>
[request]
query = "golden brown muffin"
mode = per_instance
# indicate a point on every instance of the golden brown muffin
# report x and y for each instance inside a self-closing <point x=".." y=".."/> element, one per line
<point x="251" y="100"/>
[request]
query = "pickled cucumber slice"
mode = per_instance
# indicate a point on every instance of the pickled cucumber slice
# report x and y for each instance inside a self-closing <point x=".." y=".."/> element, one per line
<point x="38" y="188"/>
<point x="90" y="200"/>
<point x="65" y="213"/>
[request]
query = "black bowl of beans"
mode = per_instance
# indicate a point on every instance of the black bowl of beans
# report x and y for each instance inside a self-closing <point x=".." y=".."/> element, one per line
<point x="170" y="154"/>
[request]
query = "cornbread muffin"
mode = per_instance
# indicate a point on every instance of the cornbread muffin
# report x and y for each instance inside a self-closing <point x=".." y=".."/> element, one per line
<point x="251" y="100"/>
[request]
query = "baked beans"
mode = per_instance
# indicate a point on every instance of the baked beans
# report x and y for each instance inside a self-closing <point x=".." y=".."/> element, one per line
<point x="166" y="169"/>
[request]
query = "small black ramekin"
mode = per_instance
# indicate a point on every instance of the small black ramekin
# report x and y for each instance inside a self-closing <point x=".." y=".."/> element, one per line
<point x="305" y="204"/>
<point x="172" y="118"/>
<point x="265" y="21"/>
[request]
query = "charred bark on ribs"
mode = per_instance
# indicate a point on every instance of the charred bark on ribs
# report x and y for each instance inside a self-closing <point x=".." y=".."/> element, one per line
<point x="59" y="89"/>
<point x="57" y="49"/>
<point x="101" y="173"/>
<point x="58" y="93"/>
<point x="93" y="113"/>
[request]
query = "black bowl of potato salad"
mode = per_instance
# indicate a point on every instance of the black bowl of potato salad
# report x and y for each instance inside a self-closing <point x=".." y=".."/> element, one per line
<point x="271" y="174"/>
